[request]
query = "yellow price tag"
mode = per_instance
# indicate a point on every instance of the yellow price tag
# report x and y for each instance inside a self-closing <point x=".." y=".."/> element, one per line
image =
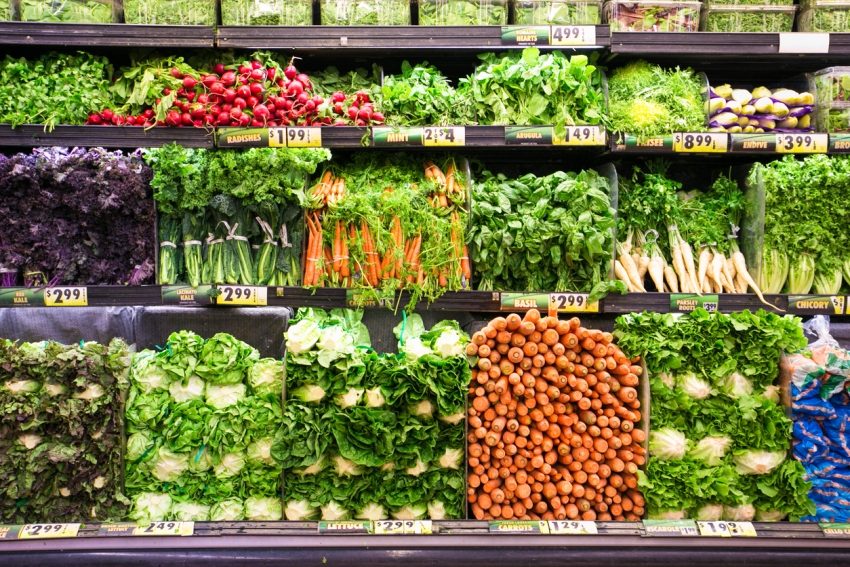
<point x="165" y="529"/>
<point x="48" y="531"/>
<point x="694" y="142"/>
<point x="407" y="527"/>
<point x="741" y="529"/>
<point x="277" y="137"/>
<point x="444" y="136"/>
<point x="66" y="297"/>
<point x="572" y="527"/>
<point x="242" y="295"/>
<point x="572" y="303"/>
<point x="584" y="136"/>
<point x="802" y="143"/>
<point x="572" y="35"/>
<point x="713" y="529"/>
<point x="304" y="137"/>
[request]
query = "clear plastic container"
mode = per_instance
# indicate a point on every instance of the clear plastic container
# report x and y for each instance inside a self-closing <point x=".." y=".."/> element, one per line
<point x="824" y="17"/>
<point x="558" y="12"/>
<point x="747" y="18"/>
<point x="266" y="12"/>
<point x="831" y="86"/>
<point x="750" y="3"/>
<point x="365" y="12"/>
<point x="835" y="119"/>
<point x="463" y="12"/>
<point x="170" y="12"/>
<point x="66" y="11"/>
<point x="652" y="16"/>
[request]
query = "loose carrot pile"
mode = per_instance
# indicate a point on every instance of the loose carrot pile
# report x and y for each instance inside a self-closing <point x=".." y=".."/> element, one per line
<point x="553" y="423"/>
<point x="387" y="226"/>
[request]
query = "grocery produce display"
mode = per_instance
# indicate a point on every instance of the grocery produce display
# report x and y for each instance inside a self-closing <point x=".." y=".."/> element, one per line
<point x="719" y="439"/>
<point x="435" y="281"/>
<point x="214" y="210"/>
<point x="76" y="216"/>
<point x="817" y="387"/>
<point x="760" y="110"/>
<point x="201" y="416"/>
<point x="61" y="414"/>
<point x="554" y="424"/>
<point x="810" y="253"/>
<point x="369" y="435"/>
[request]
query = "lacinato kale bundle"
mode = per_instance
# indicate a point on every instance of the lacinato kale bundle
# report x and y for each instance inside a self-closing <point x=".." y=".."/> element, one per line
<point x="76" y="217"/>
<point x="201" y="416"/>
<point x="368" y="435"/>
<point x="60" y="431"/>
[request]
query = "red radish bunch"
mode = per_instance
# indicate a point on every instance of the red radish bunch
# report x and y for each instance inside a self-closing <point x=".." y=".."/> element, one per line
<point x="247" y="95"/>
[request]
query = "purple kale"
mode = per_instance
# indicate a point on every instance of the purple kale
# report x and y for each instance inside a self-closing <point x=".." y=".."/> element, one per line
<point x="76" y="216"/>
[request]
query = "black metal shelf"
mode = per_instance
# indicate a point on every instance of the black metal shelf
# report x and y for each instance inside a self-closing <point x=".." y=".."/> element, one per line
<point x="103" y="136"/>
<point x="714" y="44"/>
<point x="374" y="39"/>
<point x="456" y="543"/>
<point x="465" y="301"/>
<point x="105" y="35"/>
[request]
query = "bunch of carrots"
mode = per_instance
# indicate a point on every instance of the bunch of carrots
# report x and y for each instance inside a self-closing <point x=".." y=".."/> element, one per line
<point x="399" y="259"/>
<point x="553" y="425"/>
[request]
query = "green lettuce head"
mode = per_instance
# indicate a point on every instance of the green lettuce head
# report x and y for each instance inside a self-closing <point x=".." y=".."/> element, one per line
<point x="266" y="376"/>
<point x="226" y="360"/>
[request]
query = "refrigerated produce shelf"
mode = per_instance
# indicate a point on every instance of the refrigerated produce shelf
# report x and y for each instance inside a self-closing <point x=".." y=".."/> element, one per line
<point x="103" y="136"/>
<point x="104" y="35"/>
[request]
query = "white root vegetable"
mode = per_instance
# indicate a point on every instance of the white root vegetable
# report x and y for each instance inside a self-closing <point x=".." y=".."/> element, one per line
<point x="643" y="266"/>
<point x="672" y="280"/>
<point x="704" y="261"/>
<point x="631" y="269"/>
<point x="656" y="271"/>
<point x="622" y="275"/>
<point x="741" y="284"/>
<point x="679" y="266"/>
<point x="688" y="258"/>
<point x="741" y="266"/>
<point x="729" y="272"/>
<point x="716" y="269"/>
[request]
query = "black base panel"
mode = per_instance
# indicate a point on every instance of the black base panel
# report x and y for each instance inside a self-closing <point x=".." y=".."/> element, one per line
<point x="103" y="136"/>
<point x="515" y="556"/>
<point x="105" y="35"/>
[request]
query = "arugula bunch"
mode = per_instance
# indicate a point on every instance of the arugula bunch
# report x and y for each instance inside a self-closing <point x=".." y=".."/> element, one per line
<point x="534" y="87"/>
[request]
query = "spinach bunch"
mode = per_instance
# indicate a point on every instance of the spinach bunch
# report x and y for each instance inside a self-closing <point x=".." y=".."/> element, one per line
<point x="534" y="88"/>
<point x="532" y="233"/>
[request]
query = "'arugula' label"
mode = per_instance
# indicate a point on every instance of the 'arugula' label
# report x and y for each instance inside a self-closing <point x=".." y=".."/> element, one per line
<point x="529" y="135"/>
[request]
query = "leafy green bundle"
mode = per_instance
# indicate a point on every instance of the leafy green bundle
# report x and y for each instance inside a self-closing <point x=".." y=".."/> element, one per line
<point x="810" y="252"/>
<point x="536" y="88"/>
<point x="542" y="233"/>
<point x="56" y="88"/>
<point x="174" y="12"/>
<point x="463" y="13"/>
<point x="647" y="100"/>
<point x="60" y="421"/>
<point x="266" y="12"/>
<point x="216" y="207"/>
<point x="371" y="435"/>
<point x="719" y="438"/>
<point x="200" y="418"/>
<point x="421" y="96"/>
